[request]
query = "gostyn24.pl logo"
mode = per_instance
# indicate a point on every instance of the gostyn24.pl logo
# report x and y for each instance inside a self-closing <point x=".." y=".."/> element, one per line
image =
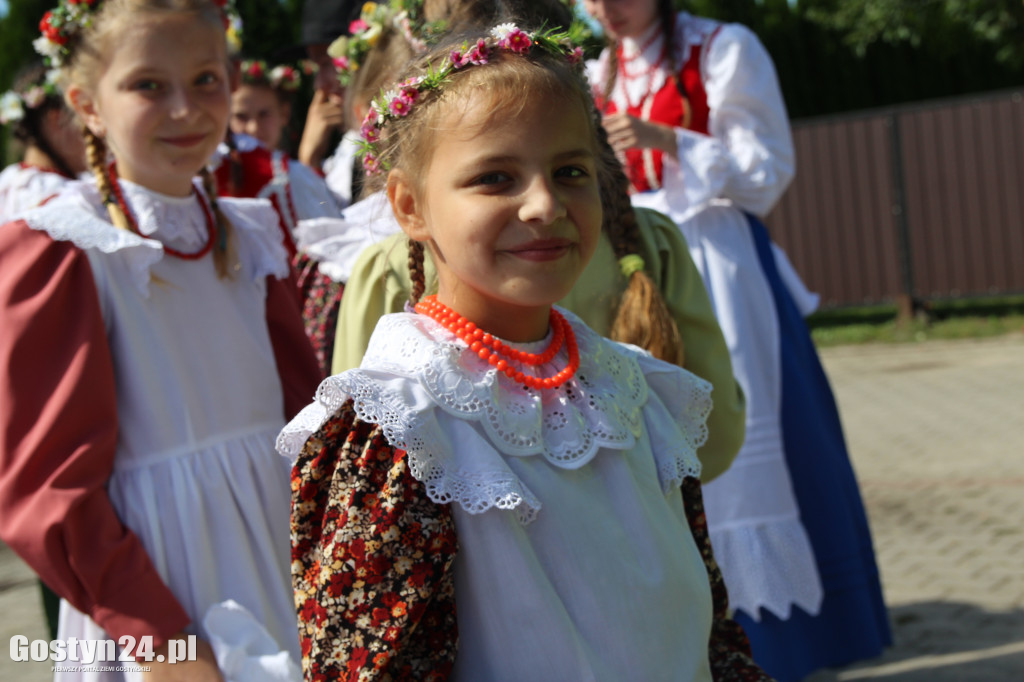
<point x="90" y="651"/>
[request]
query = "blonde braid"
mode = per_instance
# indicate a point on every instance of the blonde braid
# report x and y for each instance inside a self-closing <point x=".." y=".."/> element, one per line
<point x="96" y="157"/>
<point x="643" y="317"/>
<point x="416" y="271"/>
<point x="224" y="249"/>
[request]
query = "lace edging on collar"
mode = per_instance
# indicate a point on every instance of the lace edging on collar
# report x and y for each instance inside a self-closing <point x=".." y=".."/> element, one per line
<point x="78" y="216"/>
<point x="458" y="418"/>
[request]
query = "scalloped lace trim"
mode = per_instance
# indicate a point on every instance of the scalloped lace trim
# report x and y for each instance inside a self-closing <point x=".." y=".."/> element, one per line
<point x="77" y="223"/>
<point x="416" y="377"/>
<point x="786" y="573"/>
<point x="600" y="407"/>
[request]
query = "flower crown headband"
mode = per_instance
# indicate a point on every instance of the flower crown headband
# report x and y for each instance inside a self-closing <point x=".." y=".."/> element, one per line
<point x="398" y="103"/>
<point x="349" y="52"/>
<point x="282" y="77"/>
<point x="13" y="104"/>
<point x="62" y="27"/>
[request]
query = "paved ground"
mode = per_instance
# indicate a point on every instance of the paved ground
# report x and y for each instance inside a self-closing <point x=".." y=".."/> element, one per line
<point x="936" y="433"/>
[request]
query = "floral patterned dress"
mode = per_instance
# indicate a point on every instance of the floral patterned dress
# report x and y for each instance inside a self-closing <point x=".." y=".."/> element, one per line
<point x="383" y="530"/>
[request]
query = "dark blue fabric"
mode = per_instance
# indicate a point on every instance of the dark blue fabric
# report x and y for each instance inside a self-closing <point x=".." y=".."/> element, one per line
<point x="853" y="623"/>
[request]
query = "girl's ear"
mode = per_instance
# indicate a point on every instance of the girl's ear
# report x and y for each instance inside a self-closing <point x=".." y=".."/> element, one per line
<point x="86" y="107"/>
<point x="407" y="206"/>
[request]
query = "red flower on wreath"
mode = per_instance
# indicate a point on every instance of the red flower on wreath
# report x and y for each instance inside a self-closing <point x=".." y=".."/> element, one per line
<point x="51" y="32"/>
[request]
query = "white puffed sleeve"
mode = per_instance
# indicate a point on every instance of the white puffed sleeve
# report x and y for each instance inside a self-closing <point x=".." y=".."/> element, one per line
<point x="748" y="159"/>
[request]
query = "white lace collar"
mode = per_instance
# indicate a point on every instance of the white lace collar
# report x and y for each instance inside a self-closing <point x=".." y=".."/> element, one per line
<point x="423" y="386"/>
<point x="78" y="215"/>
<point x="179" y="222"/>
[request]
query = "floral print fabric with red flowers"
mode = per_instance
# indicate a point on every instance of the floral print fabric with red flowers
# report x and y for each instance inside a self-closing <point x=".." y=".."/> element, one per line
<point x="372" y="560"/>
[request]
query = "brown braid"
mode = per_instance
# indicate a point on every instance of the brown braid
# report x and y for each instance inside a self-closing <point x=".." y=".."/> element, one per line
<point x="236" y="175"/>
<point x="667" y="17"/>
<point x="613" y="70"/>
<point x="416" y="271"/>
<point x="96" y="157"/>
<point x="224" y="250"/>
<point x="643" y="317"/>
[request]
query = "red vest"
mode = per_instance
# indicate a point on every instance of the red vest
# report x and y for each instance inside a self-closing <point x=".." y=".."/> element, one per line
<point x="249" y="174"/>
<point x="670" y="107"/>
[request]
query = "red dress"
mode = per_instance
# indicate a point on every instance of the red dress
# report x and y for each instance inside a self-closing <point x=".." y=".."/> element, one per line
<point x="255" y="172"/>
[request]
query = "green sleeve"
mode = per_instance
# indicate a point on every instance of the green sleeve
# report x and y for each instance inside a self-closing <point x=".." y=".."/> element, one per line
<point x="705" y="353"/>
<point x="379" y="284"/>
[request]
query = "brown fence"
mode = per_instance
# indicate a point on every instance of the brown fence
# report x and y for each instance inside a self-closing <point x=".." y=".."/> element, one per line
<point x="913" y="203"/>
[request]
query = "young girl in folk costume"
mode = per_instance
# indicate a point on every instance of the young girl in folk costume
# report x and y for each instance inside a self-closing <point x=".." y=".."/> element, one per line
<point x="244" y="168"/>
<point x="674" y="309"/>
<point x="249" y="163"/>
<point x="53" y="151"/>
<point x="154" y="353"/>
<point x="472" y="508"/>
<point x="261" y="105"/>
<point x="380" y="42"/>
<point x="695" y="108"/>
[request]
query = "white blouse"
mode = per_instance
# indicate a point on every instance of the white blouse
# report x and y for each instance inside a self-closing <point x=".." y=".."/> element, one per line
<point x="575" y="557"/>
<point x="25" y="187"/>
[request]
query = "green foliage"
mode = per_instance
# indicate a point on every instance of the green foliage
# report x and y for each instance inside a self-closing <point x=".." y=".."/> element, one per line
<point x="17" y="31"/>
<point x="842" y="55"/>
<point x="999" y="23"/>
<point x="270" y="29"/>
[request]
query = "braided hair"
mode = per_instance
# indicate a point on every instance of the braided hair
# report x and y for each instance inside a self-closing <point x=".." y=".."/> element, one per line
<point x="643" y="317"/>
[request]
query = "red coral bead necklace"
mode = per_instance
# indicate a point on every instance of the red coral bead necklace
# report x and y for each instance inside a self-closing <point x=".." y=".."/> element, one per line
<point x="211" y="226"/>
<point x="499" y="354"/>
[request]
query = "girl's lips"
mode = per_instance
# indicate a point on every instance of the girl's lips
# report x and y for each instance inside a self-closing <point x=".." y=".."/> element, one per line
<point x="184" y="140"/>
<point x="542" y="249"/>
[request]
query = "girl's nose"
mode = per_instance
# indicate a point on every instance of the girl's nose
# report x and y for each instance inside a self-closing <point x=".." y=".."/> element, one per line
<point x="542" y="202"/>
<point x="180" y="103"/>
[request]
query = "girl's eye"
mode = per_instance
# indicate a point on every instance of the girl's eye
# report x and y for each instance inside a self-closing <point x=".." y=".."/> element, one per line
<point x="494" y="178"/>
<point x="572" y="172"/>
<point x="208" y="78"/>
<point x="146" y="86"/>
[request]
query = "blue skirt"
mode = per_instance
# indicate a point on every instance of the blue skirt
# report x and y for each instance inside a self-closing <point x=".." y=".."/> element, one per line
<point x="853" y="623"/>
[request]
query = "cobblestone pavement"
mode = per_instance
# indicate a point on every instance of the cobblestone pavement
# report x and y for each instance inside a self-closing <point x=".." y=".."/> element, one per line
<point x="936" y="433"/>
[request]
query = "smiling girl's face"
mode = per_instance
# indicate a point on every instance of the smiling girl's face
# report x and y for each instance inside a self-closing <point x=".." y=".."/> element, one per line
<point x="510" y="207"/>
<point x="162" y="100"/>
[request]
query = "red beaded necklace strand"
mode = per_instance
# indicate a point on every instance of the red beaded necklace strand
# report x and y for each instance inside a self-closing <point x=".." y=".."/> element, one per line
<point x="115" y="186"/>
<point x="640" y="50"/>
<point x="499" y="354"/>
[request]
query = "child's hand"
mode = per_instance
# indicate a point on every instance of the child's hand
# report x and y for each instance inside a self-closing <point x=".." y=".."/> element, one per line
<point x="628" y="132"/>
<point x="203" y="669"/>
<point x="326" y="113"/>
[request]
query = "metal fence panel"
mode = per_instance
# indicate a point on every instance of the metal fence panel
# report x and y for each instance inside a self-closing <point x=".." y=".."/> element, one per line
<point x="923" y="201"/>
